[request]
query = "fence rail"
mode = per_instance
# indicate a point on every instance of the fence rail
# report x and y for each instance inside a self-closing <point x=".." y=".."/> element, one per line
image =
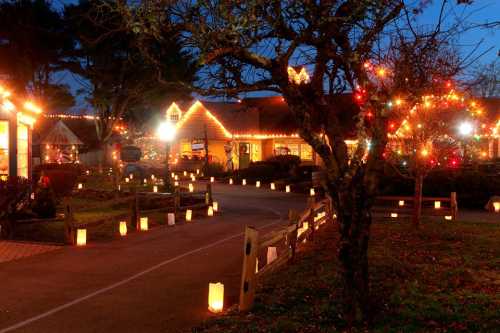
<point x="300" y="227"/>
<point x="403" y="205"/>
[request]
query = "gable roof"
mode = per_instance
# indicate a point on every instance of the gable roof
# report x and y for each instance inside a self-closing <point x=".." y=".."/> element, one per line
<point x="60" y="134"/>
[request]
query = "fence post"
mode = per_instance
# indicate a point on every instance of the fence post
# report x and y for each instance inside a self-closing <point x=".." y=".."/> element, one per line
<point x="293" y="217"/>
<point x="177" y="201"/>
<point x="134" y="215"/>
<point x="454" y="205"/>
<point x="248" y="277"/>
<point x="69" y="230"/>
<point x="310" y="219"/>
<point x="208" y="195"/>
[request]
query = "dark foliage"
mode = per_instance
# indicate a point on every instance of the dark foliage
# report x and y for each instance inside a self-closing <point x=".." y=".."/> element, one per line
<point x="45" y="203"/>
<point x="62" y="177"/>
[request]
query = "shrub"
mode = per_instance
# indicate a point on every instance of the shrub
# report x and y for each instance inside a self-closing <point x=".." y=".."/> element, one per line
<point x="473" y="187"/>
<point x="285" y="163"/>
<point x="262" y="171"/>
<point x="62" y="177"/>
<point x="215" y="170"/>
<point x="13" y="192"/>
<point x="45" y="204"/>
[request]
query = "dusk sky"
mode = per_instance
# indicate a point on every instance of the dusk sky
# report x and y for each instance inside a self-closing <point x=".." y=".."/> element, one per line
<point x="480" y="11"/>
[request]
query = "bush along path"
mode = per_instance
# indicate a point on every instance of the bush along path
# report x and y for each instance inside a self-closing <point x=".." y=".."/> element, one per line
<point x="443" y="278"/>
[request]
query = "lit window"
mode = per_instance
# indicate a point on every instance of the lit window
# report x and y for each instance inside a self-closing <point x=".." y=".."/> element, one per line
<point x="4" y="148"/>
<point x="22" y="150"/>
<point x="306" y="153"/>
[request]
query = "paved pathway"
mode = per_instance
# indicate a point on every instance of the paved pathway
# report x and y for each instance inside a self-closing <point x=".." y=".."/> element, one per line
<point x="151" y="282"/>
<point x="16" y="250"/>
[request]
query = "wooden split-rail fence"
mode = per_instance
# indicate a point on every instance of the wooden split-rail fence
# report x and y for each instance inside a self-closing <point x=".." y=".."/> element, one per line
<point x="396" y="206"/>
<point x="71" y="224"/>
<point x="279" y="246"/>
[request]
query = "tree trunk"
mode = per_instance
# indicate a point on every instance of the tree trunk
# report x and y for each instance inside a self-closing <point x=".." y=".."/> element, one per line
<point x="417" y="200"/>
<point x="355" y="219"/>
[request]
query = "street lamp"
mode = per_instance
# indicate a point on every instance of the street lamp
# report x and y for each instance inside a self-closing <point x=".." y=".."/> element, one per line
<point x="166" y="133"/>
<point x="465" y="129"/>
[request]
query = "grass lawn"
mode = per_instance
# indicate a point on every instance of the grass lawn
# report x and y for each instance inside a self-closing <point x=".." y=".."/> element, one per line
<point x="444" y="277"/>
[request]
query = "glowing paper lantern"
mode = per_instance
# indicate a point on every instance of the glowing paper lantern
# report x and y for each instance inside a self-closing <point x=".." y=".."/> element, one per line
<point x="152" y="177"/>
<point x="80" y="186"/>
<point x="197" y="171"/>
<point x="171" y="219"/>
<point x="312" y="193"/>
<point x="155" y="189"/>
<point x="143" y="224"/>
<point x="272" y="254"/>
<point x="131" y="176"/>
<point x="119" y="187"/>
<point x="215" y="297"/>
<point x="81" y="237"/>
<point x="394" y="215"/>
<point x="448" y="217"/>
<point x="212" y="179"/>
<point x="437" y="204"/>
<point x="287" y="189"/>
<point x="257" y="184"/>
<point x="87" y="172"/>
<point x="191" y="187"/>
<point x="230" y="181"/>
<point x="185" y="173"/>
<point x="176" y="183"/>
<point x="215" y="205"/>
<point x="176" y="177"/>
<point x="193" y="178"/>
<point x="127" y="180"/>
<point x="123" y="228"/>
<point x="496" y="206"/>
<point x="172" y="175"/>
<point x="273" y="187"/>
<point x="189" y="215"/>
<point x="210" y="211"/>
<point x="244" y="182"/>
<point x="145" y="181"/>
<point x="401" y="202"/>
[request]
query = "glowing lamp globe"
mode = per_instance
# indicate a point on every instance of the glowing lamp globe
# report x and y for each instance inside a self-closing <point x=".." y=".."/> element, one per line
<point x="166" y="131"/>
<point x="465" y="128"/>
<point x="215" y="297"/>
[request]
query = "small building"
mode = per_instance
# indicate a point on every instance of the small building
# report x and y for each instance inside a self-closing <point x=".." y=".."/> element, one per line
<point x="60" y="145"/>
<point x="238" y="133"/>
<point x="17" y="119"/>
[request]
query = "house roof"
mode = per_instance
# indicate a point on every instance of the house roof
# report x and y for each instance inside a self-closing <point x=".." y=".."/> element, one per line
<point x="60" y="134"/>
<point x="81" y="127"/>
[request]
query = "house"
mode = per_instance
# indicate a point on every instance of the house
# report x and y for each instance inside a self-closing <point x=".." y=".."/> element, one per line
<point x="238" y="133"/>
<point x="17" y="118"/>
<point x="62" y="138"/>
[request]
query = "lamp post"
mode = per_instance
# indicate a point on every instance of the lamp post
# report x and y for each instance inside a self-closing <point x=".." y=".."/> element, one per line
<point x="166" y="133"/>
<point x="465" y="129"/>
